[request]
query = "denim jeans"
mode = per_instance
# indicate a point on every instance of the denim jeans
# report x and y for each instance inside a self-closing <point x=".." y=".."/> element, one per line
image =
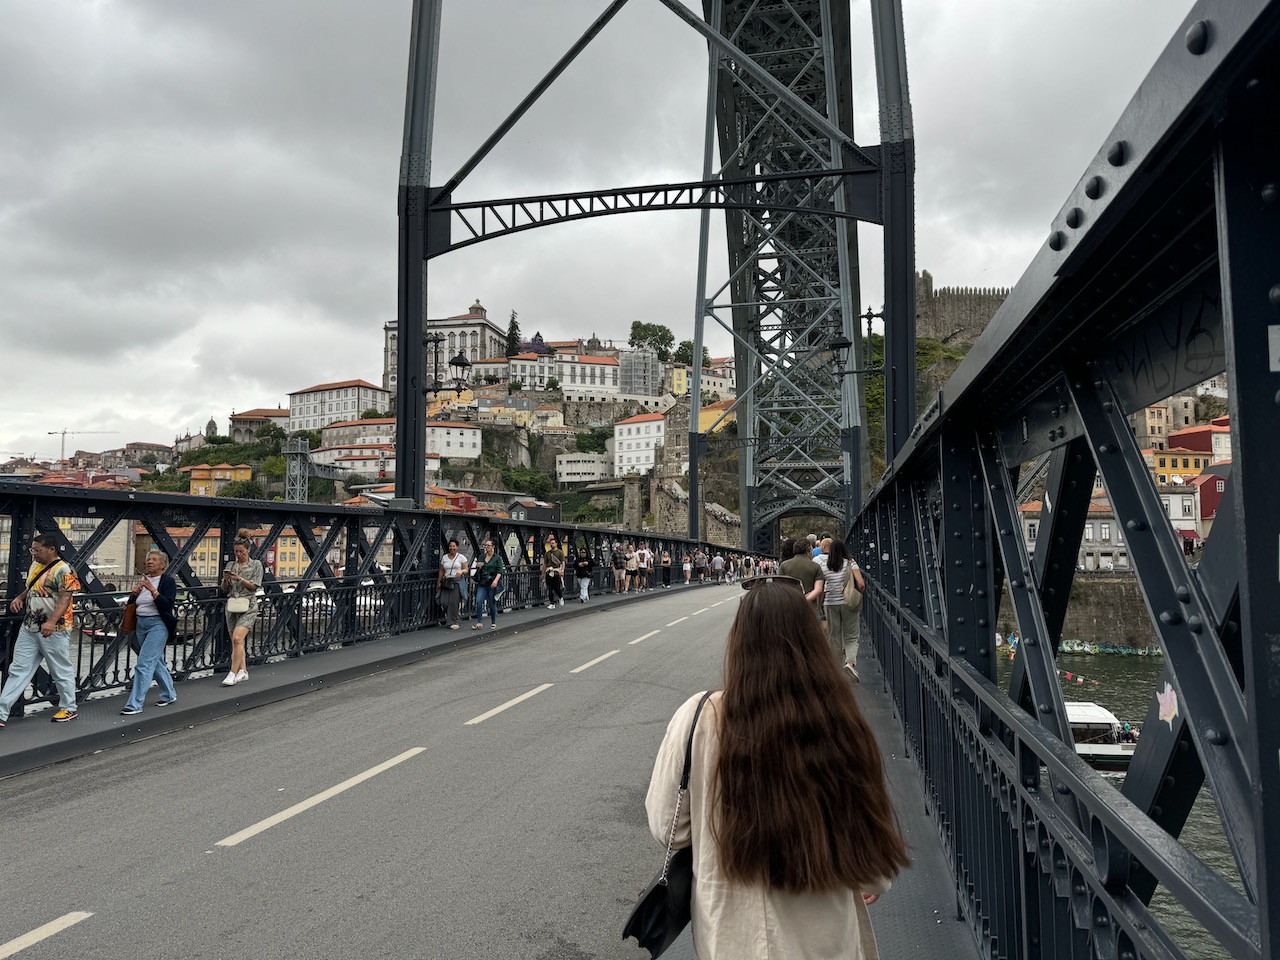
<point x="153" y="634"/>
<point x="486" y="594"/>
<point x="31" y="647"/>
<point x="584" y="586"/>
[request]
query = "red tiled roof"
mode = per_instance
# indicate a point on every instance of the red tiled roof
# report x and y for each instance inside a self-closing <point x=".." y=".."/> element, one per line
<point x="607" y="361"/>
<point x="336" y="385"/>
<point x="641" y="418"/>
<point x="450" y="423"/>
<point x="352" y="423"/>
<point x="259" y="413"/>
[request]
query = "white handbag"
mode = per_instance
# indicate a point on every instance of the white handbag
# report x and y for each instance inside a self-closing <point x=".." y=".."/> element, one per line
<point x="237" y="604"/>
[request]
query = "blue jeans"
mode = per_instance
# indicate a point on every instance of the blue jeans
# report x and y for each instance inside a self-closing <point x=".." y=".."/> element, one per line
<point x="153" y="634"/>
<point x="486" y="594"/>
<point x="31" y="647"/>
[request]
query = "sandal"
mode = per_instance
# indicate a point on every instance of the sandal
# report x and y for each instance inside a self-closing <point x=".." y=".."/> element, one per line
<point x="478" y="626"/>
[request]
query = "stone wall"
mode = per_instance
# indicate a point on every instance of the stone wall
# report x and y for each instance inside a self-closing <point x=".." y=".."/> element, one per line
<point x="1104" y="608"/>
<point x="954" y="315"/>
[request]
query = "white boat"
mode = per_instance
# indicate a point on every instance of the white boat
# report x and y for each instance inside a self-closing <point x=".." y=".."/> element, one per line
<point x="1099" y="736"/>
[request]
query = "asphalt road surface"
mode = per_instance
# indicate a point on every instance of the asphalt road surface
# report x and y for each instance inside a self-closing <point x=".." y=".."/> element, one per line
<point x="404" y="814"/>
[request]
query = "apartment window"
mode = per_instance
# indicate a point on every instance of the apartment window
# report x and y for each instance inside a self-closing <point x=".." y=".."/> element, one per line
<point x="1186" y="463"/>
<point x="1160" y="461"/>
<point x="1032" y="526"/>
<point x="1222" y="485"/>
<point x="1106" y="531"/>
<point x="1188" y="507"/>
<point x="1162" y="478"/>
<point x="1088" y="531"/>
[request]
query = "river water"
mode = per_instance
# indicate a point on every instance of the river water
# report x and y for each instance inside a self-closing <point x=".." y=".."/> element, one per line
<point x="1126" y="685"/>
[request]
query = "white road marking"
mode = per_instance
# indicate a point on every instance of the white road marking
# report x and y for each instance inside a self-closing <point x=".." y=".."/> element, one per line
<point x="651" y="633"/>
<point x="592" y="663"/>
<point x="696" y="612"/>
<point x="506" y="706"/>
<point x="42" y="933"/>
<point x="674" y="622"/>
<point x="718" y="603"/>
<point x="319" y="798"/>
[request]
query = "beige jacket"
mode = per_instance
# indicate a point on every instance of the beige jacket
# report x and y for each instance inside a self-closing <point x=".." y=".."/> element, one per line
<point x="732" y="921"/>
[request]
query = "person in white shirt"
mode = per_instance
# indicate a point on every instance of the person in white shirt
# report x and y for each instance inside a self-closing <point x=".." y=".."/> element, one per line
<point x="453" y="568"/>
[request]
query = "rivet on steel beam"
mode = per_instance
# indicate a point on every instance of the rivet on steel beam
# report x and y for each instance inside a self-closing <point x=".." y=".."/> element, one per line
<point x="959" y="590"/>
<point x="1031" y="641"/>
<point x="1137" y="526"/>
<point x="1063" y="788"/>
<point x="982" y="564"/>
<point x="1045" y="708"/>
<point x="959" y="563"/>
<point x="1074" y="217"/>
<point x="956" y="535"/>
<point x="1029" y="781"/>
<point x="1157" y="810"/>
<point x="1057" y="240"/>
<point x="1197" y="37"/>
<point x="1094" y="187"/>
<point x="1183" y="593"/>
<point x="982" y="593"/>
<point x="1015" y="583"/>
<point x="1270" y="194"/>
<point x="1274" y="295"/>
<point x="982" y="651"/>
<point x="982" y="622"/>
<point x="1170" y="782"/>
<point x="1216" y="737"/>
<point x="1195" y="624"/>
<point x="1004" y="531"/>
<point x="1170" y="618"/>
<point x="1118" y="154"/>
<point x="1106" y="448"/>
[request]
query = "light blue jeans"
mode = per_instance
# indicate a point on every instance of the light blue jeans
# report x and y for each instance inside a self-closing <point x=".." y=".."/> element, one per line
<point x="584" y="587"/>
<point x="30" y="648"/>
<point x="152" y="634"/>
<point x="486" y="593"/>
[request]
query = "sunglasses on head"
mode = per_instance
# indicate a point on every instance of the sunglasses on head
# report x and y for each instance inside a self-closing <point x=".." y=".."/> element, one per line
<point x="750" y="582"/>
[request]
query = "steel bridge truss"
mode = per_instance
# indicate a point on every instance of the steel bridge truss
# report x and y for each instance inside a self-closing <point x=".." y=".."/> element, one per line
<point x="1162" y="270"/>
<point x="367" y="572"/>
<point x="792" y="183"/>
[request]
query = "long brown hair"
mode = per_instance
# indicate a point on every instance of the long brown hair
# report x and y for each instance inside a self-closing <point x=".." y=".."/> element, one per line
<point x="798" y="792"/>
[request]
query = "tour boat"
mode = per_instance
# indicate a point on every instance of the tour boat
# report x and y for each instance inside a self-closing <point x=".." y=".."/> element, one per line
<point x="1099" y="736"/>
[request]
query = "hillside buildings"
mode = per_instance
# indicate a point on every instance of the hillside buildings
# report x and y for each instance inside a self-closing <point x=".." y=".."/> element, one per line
<point x="634" y="442"/>
<point x="326" y="403"/>
<point x="472" y="333"/>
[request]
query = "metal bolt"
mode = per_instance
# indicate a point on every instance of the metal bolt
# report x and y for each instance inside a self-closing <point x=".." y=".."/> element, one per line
<point x="1106" y="448"/>
<point x="1118" y="154"/>
<point x="1094" y="187"/>
<point x="1075" y="217"/>
<point x="1195" y="624"/>
<point x="1183" y="593"/>
<point x="1217" y="737"/>
<point x="1274" y="295"/>
<point x="1170" y="618"/>
<point x="1137" y="526"/>
<point x="1057" y="240"/>
<point x="1197" y="37"/>
<point x="1270" y="194"/>
<point x="1031" y="641"/>
<point x="1045" y="708"/>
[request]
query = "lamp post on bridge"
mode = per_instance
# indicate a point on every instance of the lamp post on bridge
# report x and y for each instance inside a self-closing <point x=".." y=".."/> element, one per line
<point x="839" y="347"/>
<point x="458" y="368"/>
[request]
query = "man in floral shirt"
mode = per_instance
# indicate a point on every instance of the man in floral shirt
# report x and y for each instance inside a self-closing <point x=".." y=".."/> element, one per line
<point x="46" y="630"/>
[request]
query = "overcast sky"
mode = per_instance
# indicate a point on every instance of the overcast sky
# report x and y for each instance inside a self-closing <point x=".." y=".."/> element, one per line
<point x="198" y="200"/>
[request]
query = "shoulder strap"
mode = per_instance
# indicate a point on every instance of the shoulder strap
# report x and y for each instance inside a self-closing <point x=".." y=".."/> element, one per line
<point x="688" y="747"/>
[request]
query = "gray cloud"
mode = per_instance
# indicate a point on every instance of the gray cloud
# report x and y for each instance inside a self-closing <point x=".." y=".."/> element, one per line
<point x="197" y="200"/>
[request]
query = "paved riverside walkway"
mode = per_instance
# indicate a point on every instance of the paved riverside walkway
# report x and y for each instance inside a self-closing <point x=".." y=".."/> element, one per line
<point x="915" y="918"/>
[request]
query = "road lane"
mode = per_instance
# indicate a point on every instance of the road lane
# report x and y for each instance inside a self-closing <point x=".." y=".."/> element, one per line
<point x="536" y="815"/>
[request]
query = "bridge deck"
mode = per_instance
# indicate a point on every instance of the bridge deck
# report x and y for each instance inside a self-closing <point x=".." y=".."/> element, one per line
<point x="917" y="917"/>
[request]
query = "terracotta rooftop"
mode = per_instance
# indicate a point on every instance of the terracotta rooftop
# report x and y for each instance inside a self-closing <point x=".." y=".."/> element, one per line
<point x="336" y="385"/>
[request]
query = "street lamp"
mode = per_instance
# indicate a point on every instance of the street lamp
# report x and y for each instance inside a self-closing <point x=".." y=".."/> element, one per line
<point x="839" y="347"/>
<point x="458" y="368"/>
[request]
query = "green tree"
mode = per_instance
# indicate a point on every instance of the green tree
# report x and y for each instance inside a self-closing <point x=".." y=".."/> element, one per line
<point x="654" y="335"/>
<point x="515" y="386"/>
<point x="356" y="480"/>
<point x="553" y="383"/>
<point x="593" y="441"/>
<point x="373" y="413"/>
<point x="513" y="335"/>
<point x="273" y="466"/>
<point x="243" y="490"/>
<point x="148" y="459"/>
<point x="684" y="354"/>
<point x="312" y="437"/>
<point x="270" y="433"/>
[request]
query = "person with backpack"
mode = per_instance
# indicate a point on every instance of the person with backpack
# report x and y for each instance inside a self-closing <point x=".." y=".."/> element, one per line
<point x="45" y="633"/>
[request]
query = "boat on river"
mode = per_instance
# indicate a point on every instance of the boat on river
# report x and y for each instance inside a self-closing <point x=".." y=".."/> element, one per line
<point x="1099" y="736"/>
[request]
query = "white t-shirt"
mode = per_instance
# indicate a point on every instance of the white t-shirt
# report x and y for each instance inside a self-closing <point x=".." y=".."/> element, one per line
<point x="833" y="583"/>
<point x="147" y="605"/>
<point x="452" y="566"/>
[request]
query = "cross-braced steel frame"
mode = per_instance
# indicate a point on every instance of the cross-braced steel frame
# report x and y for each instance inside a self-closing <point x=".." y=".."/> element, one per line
<point x="1162" y="270"/>
<point x="780" y="160"/>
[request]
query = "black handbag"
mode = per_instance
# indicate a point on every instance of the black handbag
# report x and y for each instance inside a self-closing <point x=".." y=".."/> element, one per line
<point x="663" y="910"/>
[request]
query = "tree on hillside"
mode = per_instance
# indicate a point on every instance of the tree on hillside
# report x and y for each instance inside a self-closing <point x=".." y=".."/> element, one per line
<point x="312" y="437"/>
<point x="536" y="345"/>
<point x="553" y="383"/>
<point x="513" y="335"/>
<point x="653" y="335"/>
<point x="243" y="490"/>
<point x="271" y="434"/>
<point x="373" y="413"/>
<point x="684" y="354"/>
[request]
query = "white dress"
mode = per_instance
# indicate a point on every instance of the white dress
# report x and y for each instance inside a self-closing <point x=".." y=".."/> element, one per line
<point x="732" y="921"/>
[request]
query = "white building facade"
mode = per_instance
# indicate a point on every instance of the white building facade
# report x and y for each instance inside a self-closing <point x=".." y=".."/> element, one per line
<point x="472" y="332"/>
<point x="327" y="403"/>
<point x="634" y="442"/>
<point x="454" y="441"/>
<point x="583" y="467"/>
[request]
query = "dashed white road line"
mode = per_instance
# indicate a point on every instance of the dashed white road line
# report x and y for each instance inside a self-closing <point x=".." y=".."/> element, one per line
<point x="717" y="603"/>
<point x="508" y="705"/>
<point x="42" y="933"/>
<point x="696" y="612"/>
<point x="651" y="633"/>
<point x="319" y="798"/>
<point x="674" y="622"/>
<point x="592" y="663"/>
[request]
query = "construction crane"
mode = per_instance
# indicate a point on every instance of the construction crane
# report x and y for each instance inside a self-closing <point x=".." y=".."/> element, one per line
<point x="62" y="453"/>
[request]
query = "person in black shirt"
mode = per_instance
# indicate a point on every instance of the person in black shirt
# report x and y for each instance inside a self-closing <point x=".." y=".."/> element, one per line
<point x="583" y="567"/>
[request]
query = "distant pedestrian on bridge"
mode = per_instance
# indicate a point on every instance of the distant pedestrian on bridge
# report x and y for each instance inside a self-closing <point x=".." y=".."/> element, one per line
<point x="453" y="570"/>
<point x="583" y="566"/>
<point x="789" y="846"/>
<point x="45" y="633"/>
<point x="487" y="582"/>
<point x="552" y="566"/>
<point x="240" y="581"/>
<point x="618" y="560"/>
<point x="153" y="599"/>
<point x="844" y="626"/>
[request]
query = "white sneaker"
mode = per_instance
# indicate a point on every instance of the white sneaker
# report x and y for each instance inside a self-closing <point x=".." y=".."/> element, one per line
<point x="231" y="679"/>
<point x="562" y="601"/>
<point x="551" y="606"/>
<point x="242" y="675"/>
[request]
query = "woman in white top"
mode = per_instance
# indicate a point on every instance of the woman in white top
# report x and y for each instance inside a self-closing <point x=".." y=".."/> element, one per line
<point x="453" y="568"/>
<point x="844" y="626"/>
<point x="790" y="820"/>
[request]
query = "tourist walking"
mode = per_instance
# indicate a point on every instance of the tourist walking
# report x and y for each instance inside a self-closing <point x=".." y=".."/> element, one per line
<point x="240" y="582"/>
<point x="699" y="565"/>
<point x="552" y="567"/>
<point x="152" y="600"/>
<point x="633" y="564"/>
<point x="844" y="626"/>
<point x="488" y="579"/>
<point x="583" y="567"/>
<point x="45" y="634"/>
<point x="449" y="581"/>
<point x="644" y="561"/>
<point x="686" y="567"/>
<point x="618" y="559"/>
<point x="666" y="569"/>
<point x="789" y="846"/>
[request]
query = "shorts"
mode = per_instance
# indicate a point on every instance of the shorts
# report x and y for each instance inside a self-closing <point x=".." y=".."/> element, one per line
<point x="246" y="619"/>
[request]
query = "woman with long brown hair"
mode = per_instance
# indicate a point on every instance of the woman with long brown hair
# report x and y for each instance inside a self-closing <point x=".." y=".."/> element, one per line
<point x="792" y="828"/>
